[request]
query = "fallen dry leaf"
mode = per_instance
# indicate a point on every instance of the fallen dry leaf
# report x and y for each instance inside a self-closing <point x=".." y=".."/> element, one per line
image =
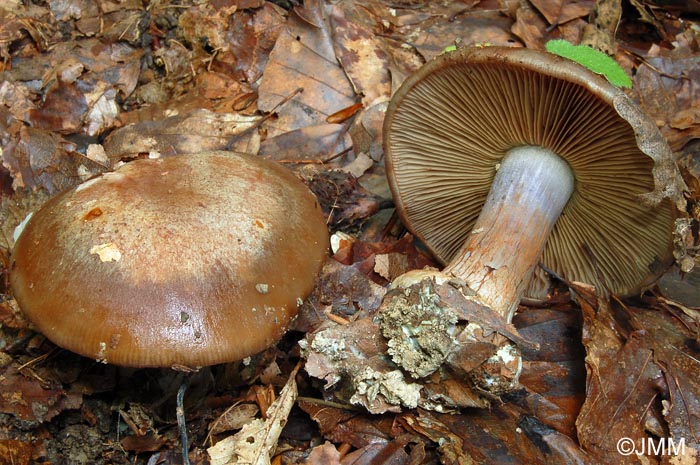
<point x="193" y="132"/>
<point x="562" y="11"/>
<point x="554" y="376"/>
<point x="347" y="425"/>
<point x="239" y="39"/>
<point x="27" y="399"/>
<point x="530" y="27"/>
<point x="639" y="379"/>
<point x="311" y="143"/>
<point x="343" y="200"/>
<point x="256" y="442"/>
<point x="13" y="452"/>
<point x="325" y="454"/>
<point x="360" y="53"/>
<point x="42" y="159"/>
<point x="668" y="84"/>
<point x="304" y="58"/>
<point x="235" y="417"/>
<point x="473" y="27"/>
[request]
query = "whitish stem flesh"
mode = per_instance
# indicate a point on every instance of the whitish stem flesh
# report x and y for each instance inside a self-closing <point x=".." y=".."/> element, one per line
<point x="529" y="192"/>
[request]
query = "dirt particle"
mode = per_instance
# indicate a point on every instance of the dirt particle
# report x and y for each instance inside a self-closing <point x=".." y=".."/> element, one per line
<point x="262" y="288"/>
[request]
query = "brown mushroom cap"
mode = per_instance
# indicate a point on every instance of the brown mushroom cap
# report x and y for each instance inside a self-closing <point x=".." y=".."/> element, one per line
<point x="190" y="260"/>
<point x="450" y="124"/>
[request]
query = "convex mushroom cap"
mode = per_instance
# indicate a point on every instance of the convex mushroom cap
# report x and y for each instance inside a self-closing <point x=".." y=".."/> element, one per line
<point x="190" y="260"/>
<point x="450" y="126"/>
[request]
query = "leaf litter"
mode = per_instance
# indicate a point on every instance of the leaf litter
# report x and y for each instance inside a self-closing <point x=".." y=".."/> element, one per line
<point x="88" y="85"/>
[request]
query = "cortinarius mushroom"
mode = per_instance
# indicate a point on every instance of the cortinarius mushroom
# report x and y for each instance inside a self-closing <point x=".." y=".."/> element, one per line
<point x="187" y="261"/>
<point x="499" y="158"/>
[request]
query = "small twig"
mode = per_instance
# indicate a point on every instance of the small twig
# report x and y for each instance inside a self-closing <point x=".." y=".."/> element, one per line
<point x="180" y="413"/>
<point x="318" y="161"/>
<point x="35" y="360"/>
<point x="327" y="403"/>
<point x="337" y="318"/>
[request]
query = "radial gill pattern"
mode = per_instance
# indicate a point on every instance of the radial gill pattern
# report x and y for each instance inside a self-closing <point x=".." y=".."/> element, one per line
<point x="447" y="132"/>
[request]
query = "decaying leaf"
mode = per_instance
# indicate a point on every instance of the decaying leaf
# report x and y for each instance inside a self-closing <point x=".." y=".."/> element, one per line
<point x="668" y="84"/>
<point x="360" y="53"/>
<point x="193" y="132"/>
<point x="256" y="442"/>
<point x="235" y="417"/>
<point x="43" y="159"/>
<point x="27" y="399"/>
<point x="642" y="380"/>
<point x="325" y="454"/>
<point x="13" y="452"/>
<point x="304" y="58"/>
<point x="341" y="290"/>
<point x="312" y="143"/>
<point x="344" y="201"/>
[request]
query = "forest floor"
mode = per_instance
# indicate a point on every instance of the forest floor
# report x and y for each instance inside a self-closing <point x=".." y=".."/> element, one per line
<point x="88" y="85"/>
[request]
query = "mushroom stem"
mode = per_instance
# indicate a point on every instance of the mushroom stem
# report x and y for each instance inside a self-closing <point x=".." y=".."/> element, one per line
<point x="529" y="192"/>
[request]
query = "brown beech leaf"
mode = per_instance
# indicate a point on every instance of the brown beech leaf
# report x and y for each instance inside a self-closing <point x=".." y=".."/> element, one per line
<point x="483" y="26"/>
<point x="325" y="454"/>
<point x="683" y="288"/>
<point x="349" y="426"/>
<point x="307" y="144"/>
<point x="251" y="39"/>
<point x="529" y="26"/>
<point x="642" y="380"/>
<point x="241" y="37"/>
<point x="554" y="375"/>
<point x="113" y="20"/>
<point x="618" y="392"/>
<point x="304" y="58"/>
<point x="63" y="109"/>
<point x="26" y="30"/>
<point x="561" y="11"/>
<point x="86" y="14"/>
<point x="27" y="399"/>
<point x="199" y="130"/>
<point x="498" y="435"/>
<point x="145" y="443"/>
<point x="361" y="254"/>
<point x="83" y="82"/>
<point x="667" y="335"/>
<point x="120" y="20"/>
<point x="393" y="452"/>
<point x="668" y="84"/>
<point x="44" y="160"/>
<point x="451" y="445"/>
<point x="341" y="290"/>
<point x="360" y="53"/>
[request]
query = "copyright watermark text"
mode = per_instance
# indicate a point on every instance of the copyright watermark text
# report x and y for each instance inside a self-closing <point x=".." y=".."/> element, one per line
<point x="651" y="446"/>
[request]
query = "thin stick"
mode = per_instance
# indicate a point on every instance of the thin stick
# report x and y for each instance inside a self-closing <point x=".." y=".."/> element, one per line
<point x="180" y="413"/>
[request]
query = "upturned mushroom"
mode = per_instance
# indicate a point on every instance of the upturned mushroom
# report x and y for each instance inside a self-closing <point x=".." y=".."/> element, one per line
<point x="184" y="261"/>
<point x="501" y="158"/>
